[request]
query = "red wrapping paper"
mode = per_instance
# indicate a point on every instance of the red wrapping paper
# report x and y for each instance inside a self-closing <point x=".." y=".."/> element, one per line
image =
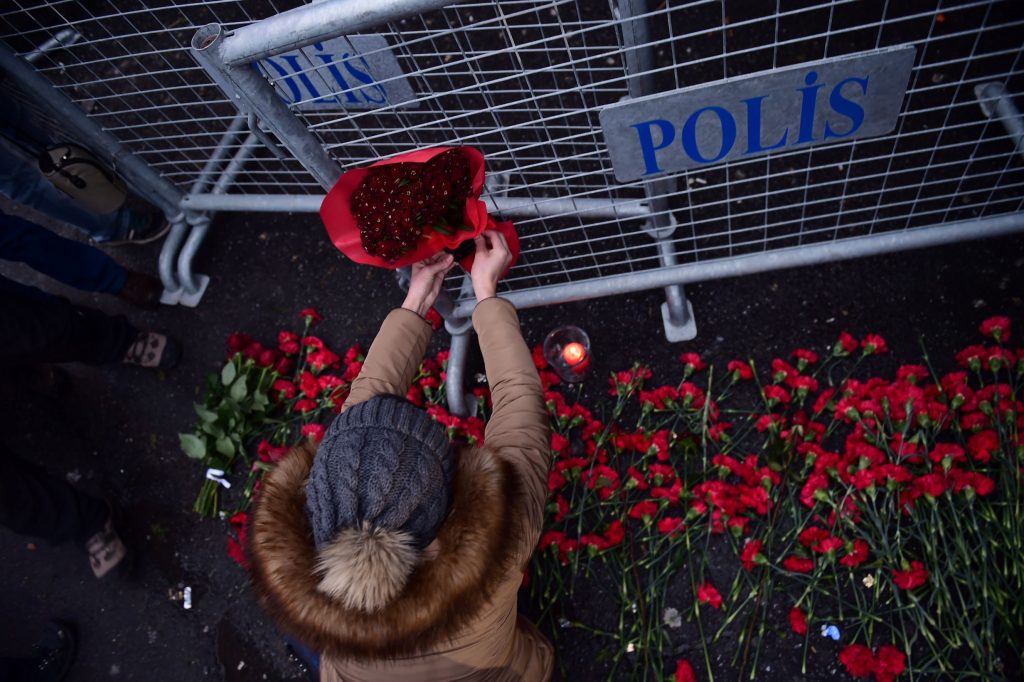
<point x="343" y="229"/>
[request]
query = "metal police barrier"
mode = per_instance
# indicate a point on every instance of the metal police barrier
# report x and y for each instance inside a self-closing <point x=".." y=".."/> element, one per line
<point x="636" y="144"/>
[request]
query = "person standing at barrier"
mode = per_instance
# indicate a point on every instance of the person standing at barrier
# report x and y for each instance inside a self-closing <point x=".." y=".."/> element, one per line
<point x="71" y="262"/>
<point x="389" y="551"/>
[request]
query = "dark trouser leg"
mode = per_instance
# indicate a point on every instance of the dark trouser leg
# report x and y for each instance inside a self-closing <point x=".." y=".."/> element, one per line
<point x="34" y="503"/>
<point x="76" y="264"/>
<point x="37" y="327"/>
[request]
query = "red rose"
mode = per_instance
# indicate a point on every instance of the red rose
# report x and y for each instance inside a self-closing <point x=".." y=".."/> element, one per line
<point x="798" y="564"/>
<point x="271" y="453"/>
<point x="911" y="578"/>
<point x="707" y="594"/>
<point x="236" y="547"/>
<point x="237" y="342"/>
<point x="858" y="660"/>
<point x="997" y="328"/>
<point x="310" y="315"/>
<point x="288" y="342"/>
<point x="798" y="620"/>
<point x="873" y="344"/>
<point x="889" y="663"/>
<point x="314" y="431"/>
<point x="684" y="672"/>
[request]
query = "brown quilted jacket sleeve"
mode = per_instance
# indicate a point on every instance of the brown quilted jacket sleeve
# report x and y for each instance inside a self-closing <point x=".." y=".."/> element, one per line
<point x="393" y="358"/>
<point x="518" y="428"/>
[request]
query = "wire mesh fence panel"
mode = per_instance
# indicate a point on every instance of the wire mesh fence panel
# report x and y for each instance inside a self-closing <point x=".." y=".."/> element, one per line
<point x="131" y="71"/>
<point x="524" y="81"/>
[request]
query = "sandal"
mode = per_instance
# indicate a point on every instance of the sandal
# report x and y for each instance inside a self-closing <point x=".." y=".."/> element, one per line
<point x="153" y="350"/>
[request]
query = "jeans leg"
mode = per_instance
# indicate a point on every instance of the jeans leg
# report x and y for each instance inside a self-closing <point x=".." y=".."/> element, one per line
<point x="66" y="260"/>
<point x="22" y="182"/>
<point x="37" y="327"/>
<point x="34" y="503"/>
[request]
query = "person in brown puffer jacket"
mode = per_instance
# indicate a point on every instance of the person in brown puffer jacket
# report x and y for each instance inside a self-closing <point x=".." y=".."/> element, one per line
<point x="395" y="555"/>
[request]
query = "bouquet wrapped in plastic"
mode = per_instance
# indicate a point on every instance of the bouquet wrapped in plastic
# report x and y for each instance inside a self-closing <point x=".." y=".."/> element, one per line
<point x="401" y="210"/>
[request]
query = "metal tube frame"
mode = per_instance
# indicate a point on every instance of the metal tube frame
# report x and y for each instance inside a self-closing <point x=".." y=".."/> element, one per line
<point x="173" y="290"/>
<point x="808" y="254"/>
<point x="252" y="94"/>
<point x="638" y="51"/>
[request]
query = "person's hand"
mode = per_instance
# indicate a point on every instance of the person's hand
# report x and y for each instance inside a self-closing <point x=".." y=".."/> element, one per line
<point x="425" y="282"/>
<point x="491" y="260"/>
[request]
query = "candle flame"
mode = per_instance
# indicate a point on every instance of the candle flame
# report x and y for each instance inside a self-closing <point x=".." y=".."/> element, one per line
<point x="574" y="353"/>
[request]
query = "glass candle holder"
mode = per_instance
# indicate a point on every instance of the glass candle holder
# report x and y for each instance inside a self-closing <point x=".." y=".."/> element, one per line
<point x="567" y="350"/>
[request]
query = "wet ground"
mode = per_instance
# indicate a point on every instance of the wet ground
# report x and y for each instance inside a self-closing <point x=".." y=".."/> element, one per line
<point x="115" y="434"/>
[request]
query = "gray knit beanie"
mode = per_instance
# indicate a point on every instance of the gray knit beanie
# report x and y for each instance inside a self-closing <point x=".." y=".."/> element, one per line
<point x="382" y="464"/>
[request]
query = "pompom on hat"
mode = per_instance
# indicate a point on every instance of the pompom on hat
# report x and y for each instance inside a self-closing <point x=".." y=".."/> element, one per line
<point x="378" y="491"/>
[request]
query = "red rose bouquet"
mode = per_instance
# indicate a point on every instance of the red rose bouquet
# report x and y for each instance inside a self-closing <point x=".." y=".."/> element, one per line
<point x="401" y="210"/>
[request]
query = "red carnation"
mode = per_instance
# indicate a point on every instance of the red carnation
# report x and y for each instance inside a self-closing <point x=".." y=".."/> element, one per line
<point x="845" y="345"/>
<point x="798" y="620"/>
<point x="643" y="510"/>
<point x="671" y="525"/>
<point x="798" y="564"/>
<point x="751" y="554"/>
<point x="997" y="328"/>
<point x="873" y="344"/>
<point x="982" y="445"/>
<point x="889" y="663"/>
<point x="856" y="555"/>
<point x="692" y="363"/>
<point x="310" y="315"/>
<point x="684" y="672"/>
<point x="740" y="370"/>
<point x="858" y="660"/>
<point x="911" y="578"/>
<point x="313" y="431"/>
<point x="707" y="594"/>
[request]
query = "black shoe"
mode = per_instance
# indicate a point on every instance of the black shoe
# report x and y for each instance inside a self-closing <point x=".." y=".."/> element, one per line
<point x="55" y="652"/>
<point x="141" y="290"/>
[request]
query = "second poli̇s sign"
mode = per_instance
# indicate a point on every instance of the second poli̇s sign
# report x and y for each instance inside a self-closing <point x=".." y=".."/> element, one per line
<point x="797" y="106"/>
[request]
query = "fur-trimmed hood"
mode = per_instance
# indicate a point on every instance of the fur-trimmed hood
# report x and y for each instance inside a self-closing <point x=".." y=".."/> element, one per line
<point x="477" y="549"/>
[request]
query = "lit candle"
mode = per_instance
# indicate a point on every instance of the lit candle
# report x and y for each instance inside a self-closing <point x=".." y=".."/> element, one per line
<point x="574" y="353"/>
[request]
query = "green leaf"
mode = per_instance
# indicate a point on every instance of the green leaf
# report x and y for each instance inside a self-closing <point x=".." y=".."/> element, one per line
<point x="226" y="447"/>
<point x="192" y="446"/>
<point x="260" y="401"/>
<point x="239" y="389"/>
<point x="443" y="229"/>
<point x="205" y="414"/>
<point x="228" y="374"/>
<point x="212" y="428"/>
